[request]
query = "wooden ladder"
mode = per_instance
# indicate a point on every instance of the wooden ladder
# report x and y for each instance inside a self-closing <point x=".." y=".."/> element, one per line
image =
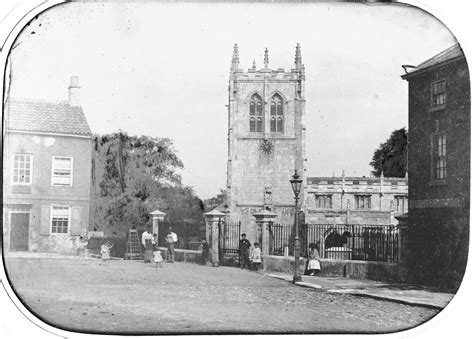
<point x="134" y="248"/>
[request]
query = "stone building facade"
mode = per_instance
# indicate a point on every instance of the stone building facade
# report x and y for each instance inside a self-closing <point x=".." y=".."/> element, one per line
<point x="265" y="139"/>
<point x="439" y="166"/>
<point x="355" y="200"/>
<point x="47" y="167"/>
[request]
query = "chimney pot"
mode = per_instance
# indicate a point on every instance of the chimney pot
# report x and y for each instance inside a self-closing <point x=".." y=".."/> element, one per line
<point x="74" y="91"/>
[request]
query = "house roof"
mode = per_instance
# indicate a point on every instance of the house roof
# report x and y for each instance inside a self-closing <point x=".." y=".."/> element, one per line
<point x="451" y="53"/>
<point x="45" y="117"/>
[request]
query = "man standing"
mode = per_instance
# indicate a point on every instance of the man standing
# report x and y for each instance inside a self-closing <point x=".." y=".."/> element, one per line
<point x="244" y="246"/>
<point x="171" y="239"/>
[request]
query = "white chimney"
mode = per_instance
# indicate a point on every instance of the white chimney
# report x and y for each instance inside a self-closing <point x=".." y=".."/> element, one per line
<point x="74" y="91"/>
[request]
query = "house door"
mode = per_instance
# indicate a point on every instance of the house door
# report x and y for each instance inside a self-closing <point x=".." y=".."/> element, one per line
<point x="19" y="232"/>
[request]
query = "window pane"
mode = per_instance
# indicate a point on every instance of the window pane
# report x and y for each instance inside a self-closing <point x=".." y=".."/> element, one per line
<point x="279" y="108"/>
<point x="252" y="124"/>
<point x="438" y="90"/>
<point x="273" y="125"/>
<point x="22" y="168"/>
<point x="62" y="170"/>
<point x="259" y="107"/>
<point x="273" y="108"/>
<point x="280" y="124"/>
<point x="259" y="124"/>
<point x="59" y="219"/>
<point x="252" y="108"/>
<point x="439" y="156"/>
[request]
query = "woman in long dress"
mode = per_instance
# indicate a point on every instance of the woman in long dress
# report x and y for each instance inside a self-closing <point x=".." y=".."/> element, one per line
<point x="314" y="264"/>
<point x="147" y="242"/>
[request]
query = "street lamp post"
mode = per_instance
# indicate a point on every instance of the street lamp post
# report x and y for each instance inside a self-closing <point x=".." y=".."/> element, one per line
<point x="296" y="186"/>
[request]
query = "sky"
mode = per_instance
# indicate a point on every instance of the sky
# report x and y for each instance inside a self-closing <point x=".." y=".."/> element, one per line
<point x="162" y="69"/>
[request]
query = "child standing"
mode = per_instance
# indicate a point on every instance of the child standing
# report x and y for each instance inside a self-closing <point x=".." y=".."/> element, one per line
<point x="157" y="258"/>
<point x="105" y="251"/>
<point x="256" y="257"/>
<point x="204" y="252"/>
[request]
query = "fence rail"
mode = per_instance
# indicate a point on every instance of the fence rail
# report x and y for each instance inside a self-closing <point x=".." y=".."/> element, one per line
<point x="189" y="234"/>
<point x="340" y="242"/>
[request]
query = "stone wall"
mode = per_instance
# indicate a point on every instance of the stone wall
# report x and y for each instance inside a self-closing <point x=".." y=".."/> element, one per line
<point x="338" y="268"/>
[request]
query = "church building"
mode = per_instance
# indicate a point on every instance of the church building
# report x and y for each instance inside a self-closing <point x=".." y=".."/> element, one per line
<point x="266" y="135"/>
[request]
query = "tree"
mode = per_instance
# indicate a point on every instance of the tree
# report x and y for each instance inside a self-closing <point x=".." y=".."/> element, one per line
<point x="391" y="156"/>
<point x="132" y="176"/>
<point x="218" y="199"/>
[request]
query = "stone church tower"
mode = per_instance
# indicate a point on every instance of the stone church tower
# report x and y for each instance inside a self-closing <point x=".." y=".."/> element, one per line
<point x="265" y="140"/>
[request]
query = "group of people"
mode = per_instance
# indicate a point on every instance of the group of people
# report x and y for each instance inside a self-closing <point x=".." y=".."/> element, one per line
<point x="248" y="259"/>
<point x="152" y="253"/>
<point x="253" y="259"/>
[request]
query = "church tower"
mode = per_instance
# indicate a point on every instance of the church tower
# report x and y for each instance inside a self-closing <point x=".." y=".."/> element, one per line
<point x="266" y="136"/>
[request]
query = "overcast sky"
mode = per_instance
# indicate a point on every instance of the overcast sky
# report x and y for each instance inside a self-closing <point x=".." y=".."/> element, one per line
<point x="162" y="70"/>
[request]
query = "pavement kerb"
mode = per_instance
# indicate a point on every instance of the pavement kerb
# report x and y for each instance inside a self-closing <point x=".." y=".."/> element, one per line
<point x="300" y="283"/>
<point x="387" y="298"/>
<point x="361" y="293"/>
<point x="305" y="284"/>
<point x="280" y="277"/>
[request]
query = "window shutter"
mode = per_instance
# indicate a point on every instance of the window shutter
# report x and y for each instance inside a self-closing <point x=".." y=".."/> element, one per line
<point x="76" y="221"/>
<point x="45" y="226"/>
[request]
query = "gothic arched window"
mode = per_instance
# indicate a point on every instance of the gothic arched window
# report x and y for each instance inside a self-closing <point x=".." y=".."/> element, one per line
<point x="276" y="114"/>
<point x="255" y="110"/>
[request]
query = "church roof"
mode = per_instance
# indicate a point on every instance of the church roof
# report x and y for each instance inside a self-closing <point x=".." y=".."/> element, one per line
<point x="45" y="117"/>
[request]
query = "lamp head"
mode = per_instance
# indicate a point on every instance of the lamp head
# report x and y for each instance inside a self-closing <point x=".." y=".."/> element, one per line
<point x="296" y="182"/>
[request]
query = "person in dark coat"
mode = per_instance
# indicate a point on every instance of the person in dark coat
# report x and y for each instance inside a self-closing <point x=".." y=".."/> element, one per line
<point x="204" y="252"/>
<point x="244" y="246"/>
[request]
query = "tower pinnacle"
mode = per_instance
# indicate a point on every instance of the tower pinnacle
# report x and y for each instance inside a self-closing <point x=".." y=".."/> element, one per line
<point x="298" y="62"/>
<point x="235" y="58"/>
<point x="265" y="58"/>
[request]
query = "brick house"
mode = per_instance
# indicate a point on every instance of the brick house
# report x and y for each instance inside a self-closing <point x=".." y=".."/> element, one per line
<point x="439" y="168"/>
<point x="47" y="167"/>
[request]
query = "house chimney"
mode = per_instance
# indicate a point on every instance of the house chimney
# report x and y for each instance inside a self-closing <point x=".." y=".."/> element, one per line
<point x="74" y="91"/>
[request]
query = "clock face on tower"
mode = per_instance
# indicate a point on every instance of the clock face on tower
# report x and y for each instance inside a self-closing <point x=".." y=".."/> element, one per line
<point x="266" y="147"/>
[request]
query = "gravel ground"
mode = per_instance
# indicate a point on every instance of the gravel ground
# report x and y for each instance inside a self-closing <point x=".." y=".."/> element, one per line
<point x="129" y="297"/>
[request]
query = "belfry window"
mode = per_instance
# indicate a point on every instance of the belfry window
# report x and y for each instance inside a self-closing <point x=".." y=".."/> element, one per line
<point x="276" y="114"/>
<point x="255" y="110"/>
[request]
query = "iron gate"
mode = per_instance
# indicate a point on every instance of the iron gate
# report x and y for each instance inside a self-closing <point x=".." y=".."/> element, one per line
<point x="229" y="236"/>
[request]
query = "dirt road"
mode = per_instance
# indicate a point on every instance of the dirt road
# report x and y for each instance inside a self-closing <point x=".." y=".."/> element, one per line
<point x="132" y="297"/>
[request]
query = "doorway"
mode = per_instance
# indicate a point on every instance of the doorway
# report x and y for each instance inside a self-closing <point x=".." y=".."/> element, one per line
<point x="19" y="232"/>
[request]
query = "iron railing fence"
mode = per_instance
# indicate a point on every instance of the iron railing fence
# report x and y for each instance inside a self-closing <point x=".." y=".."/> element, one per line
<point x="281" y="237"/>
<point x="339" y="242"/>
